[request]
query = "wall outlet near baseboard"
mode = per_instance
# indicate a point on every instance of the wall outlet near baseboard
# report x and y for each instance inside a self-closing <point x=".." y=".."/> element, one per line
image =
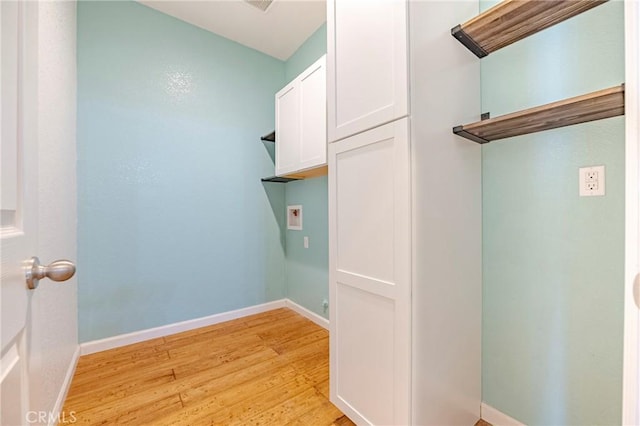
<point x="325" y="305"/>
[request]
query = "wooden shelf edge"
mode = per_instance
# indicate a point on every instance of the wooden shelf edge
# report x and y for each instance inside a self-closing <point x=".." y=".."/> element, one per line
<point x="597" y="105"/>
<point x="512" y="20"/>
<point x="304" y="174"/>
<point x="310" y="173"/>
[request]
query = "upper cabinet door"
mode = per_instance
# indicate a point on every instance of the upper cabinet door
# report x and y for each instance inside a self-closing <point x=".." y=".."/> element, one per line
<point x="301" y="122"/>
<point x="287" y="129"/>
<point x="367" y="77"/>
<point x="313" y="115"/>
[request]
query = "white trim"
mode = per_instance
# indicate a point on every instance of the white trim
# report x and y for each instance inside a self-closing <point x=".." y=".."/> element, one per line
<point x="497" y="418"/>
<point x="64" y="389"/>
<point x="631" y="359"/>
<point x="165" y="330"/>
<point x="319" y="320"/>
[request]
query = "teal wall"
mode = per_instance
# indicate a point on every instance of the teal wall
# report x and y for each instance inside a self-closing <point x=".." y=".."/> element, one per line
<point x="174" y="222"/>
<point x="307" y="270"/>
<point x="552" y="261"/>
<point x="312" y="49"/>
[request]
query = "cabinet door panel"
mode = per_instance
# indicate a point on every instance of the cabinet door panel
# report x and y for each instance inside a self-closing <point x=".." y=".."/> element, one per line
<point x="370" y="274"/>
<point x="364" y="379"/>
<point x="287" y="130"/>
<point x="366" y="65"/>
<point x="313" y="113"/>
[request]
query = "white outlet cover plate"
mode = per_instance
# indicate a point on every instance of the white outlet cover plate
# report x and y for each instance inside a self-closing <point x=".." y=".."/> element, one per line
<point x="591" y="181"/>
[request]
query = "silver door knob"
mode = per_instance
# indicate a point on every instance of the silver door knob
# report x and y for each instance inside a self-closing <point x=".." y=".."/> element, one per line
<point x="60" y="270"/>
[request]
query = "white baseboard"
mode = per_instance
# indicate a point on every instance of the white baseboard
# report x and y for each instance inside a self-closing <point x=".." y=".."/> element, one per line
<point x="64" y="389"/>
<point x="165" y="330"/>
<point x="321" y="321"/>
<point x="497" y="418"/>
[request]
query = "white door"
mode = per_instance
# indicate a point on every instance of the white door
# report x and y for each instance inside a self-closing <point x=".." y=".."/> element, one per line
<point x="370" y="275"/>
<point x="366" y="64"/>
<point x="313" y="115"/>
<point x="631" y="361"/>
<point x="18" y="199"/>
<point x="287" y="129"/>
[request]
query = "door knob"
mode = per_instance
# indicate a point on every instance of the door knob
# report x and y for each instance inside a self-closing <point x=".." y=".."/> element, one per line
<point x="60" y="270"/>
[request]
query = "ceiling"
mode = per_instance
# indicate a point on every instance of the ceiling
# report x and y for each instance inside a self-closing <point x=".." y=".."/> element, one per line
<point x="278" y="32"/>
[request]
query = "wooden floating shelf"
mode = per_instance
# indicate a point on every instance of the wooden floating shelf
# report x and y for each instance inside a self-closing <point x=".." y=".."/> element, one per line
<point x="593" y="106"/>
<point x="513" y="20"/>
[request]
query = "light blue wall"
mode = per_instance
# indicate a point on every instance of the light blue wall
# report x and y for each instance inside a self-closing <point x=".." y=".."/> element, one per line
<point x="312" y="49"/>
<point x="174" y="222"/>
<point x="552" y="261"/>
<point x="307" y="270"/>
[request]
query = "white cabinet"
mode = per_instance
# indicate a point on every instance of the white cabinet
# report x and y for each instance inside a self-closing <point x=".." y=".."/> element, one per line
<point x="405" y="242"/>
<point x="370" y="275"/>
<point x="367" y="65"/>
<point x="301" y="117"/>
<point x="369" y="211"/>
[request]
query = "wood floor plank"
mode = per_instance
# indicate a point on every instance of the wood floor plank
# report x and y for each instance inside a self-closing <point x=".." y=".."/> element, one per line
<point x="105" y="382"/>
<point x="127" y="349"/>
<point x="224" y="327"/>
<point x="268" y="368"/>
<point x="287" y="411"/>
<point x="103" y="395"/>
<point x="89" y="365"/>
<point x="308" y="357"/>
<point x="323" y="388"/>
<point x="121" y="372"/>
<point x="235" y="394"/>
<point x="318" y="373"/>
<point x="343" y="421"/>
<point x="261" y="403"/>
<point x="270" y="316"/>
<point x="146" y="414"/>
<point x="286" y="334"/>
<point x="209" y="380"/>
<point x="215" y="347"/>
<point x="283" y="345"/>
<point x="324" y="414"/>
<point x="279" y="327"/>
<point x="198" y="366"/>
<point x="113" y="409"/>
<point x="237" y="381"/>
<point x="209" y="409"/>
<point x="148" y="391"/>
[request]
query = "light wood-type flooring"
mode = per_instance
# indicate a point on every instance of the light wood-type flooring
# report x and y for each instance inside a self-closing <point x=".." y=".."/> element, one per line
<point x="268" y="369"/>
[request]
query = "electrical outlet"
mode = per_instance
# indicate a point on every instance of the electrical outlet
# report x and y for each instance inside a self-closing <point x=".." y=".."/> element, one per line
<point x="591" y="181"/>
<point x="325" y="305"/>
<point x="591" y="176"/>
<point x="305" y="242"/>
